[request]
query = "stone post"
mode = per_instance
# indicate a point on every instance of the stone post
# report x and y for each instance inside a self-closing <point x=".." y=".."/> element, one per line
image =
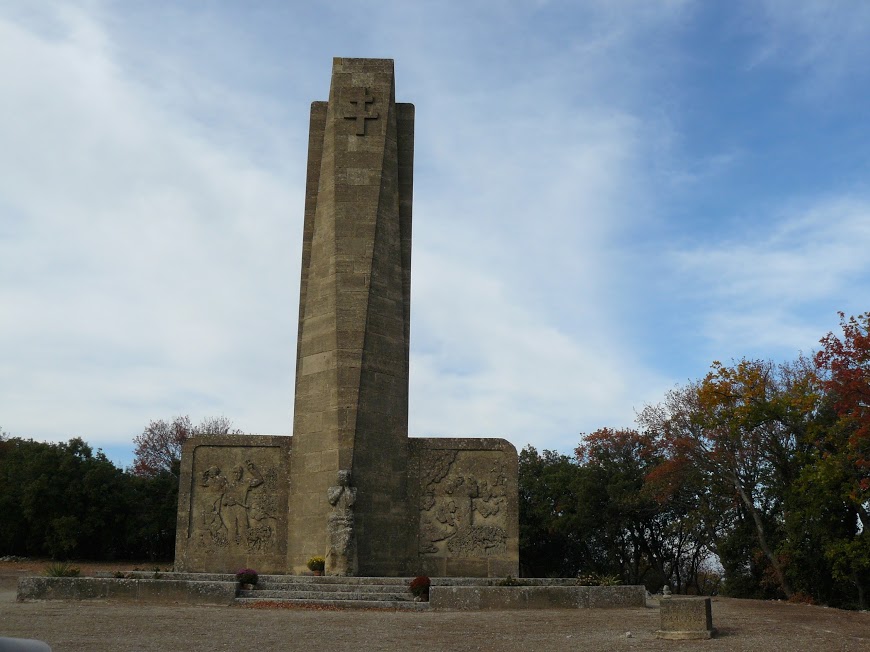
<point x="685" y="619"/>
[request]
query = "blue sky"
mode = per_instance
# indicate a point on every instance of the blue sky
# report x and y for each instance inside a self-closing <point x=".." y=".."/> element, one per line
<point x="609" y="195"/>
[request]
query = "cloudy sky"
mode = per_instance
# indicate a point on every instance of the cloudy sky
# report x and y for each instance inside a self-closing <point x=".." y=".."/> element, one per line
<point x="609" y="195"/>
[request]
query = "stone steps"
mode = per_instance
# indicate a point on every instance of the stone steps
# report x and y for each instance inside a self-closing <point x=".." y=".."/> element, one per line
<point x="369" y="589"/>
<point x="327" y="595"/>
<point x="310" y="580"/>
<point x="333" y="592"/>
<point x="388" y="605"/>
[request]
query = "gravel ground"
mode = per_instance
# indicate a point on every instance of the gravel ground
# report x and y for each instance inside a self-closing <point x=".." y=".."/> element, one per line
<point x="100" y="626"/>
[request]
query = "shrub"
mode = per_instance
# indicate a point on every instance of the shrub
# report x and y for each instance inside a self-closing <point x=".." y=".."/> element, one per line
<point x="801" y="598"/>
<point x="61" y="569"/>
<point x="247" y="576"/>
<point x="316" y="564"/>
<point x="596" y="579"/>
<point x="419" y="587"/>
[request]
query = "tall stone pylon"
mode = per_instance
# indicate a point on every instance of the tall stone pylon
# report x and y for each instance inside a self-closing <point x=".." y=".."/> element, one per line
<point x="351" y="406"/>
<point x="350" y="485"/>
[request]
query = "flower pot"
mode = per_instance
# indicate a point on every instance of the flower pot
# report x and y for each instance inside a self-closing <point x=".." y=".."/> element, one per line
<point x="247" y="587"/>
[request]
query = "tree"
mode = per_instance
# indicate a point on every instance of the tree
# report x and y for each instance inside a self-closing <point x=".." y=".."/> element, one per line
<point x="650" y="516"/>
<point x="842" y="462"/>
<point x="745" y="426"/>
<point x="619" y="460"/>
<point x="553" y="530"/>
<point x="687" y="524"/>
<point x="61" y="500"/>
<point x="158" y="448"/>
<point x="845" y="364"/>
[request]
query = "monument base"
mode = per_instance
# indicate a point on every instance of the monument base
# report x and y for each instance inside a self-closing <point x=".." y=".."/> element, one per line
<point x="235" y="498"/>
<point x="697" y="635"/>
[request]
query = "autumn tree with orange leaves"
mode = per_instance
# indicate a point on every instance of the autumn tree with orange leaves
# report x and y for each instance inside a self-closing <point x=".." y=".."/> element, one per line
<point x="762" y="466"/>
<point x="649" y="518"/>
<point x="843" y="462"/>
<point x="846" y="367"/>
<point x="743" y="425"/>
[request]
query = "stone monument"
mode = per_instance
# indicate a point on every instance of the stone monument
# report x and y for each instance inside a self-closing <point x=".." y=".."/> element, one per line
<point x="685" y="618"/>
<point x="353" y="487"/>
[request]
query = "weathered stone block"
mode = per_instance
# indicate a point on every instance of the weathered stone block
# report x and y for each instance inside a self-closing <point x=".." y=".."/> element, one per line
<point x="123" y="589"/>
<point x="686" y="618"/>
<point x="136" y="589"/>
<point x="606" y="597"/>
<point x="186" y="592"/>
<point x="233" y="504"/>
<point x="90" y="588"/>
<point x="465" y="491"/>
<point x="484" y="598"/>
<point x="47" y="588"/>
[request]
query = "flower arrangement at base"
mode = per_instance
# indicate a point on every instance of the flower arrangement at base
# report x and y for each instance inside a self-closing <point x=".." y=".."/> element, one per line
<point x="316" y="564"/>
<point x="419" y="588"/>
<point x="247" y="576"/>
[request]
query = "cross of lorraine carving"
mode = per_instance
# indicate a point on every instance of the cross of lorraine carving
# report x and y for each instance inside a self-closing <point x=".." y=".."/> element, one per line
<point x="360" y="98"/>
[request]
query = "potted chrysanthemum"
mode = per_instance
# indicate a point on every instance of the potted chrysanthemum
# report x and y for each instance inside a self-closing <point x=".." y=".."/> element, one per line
<point x="419" y="588"/>
<point x="316" y="565"/>
<point x="247" y="578"/>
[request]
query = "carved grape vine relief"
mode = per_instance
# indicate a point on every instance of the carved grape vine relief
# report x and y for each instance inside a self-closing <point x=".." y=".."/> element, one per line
<point x="462" y="503"/>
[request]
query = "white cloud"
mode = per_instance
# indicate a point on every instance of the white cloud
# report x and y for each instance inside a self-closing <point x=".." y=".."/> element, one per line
<point x="826" y="42"/>
<point x="780" y="284"/>
<point x="143" y="267"/>
<point x="493" y="366"/>
<point x="533" y="184"/>
<point x="157" y="203"/>
<point x="151" y="176"/>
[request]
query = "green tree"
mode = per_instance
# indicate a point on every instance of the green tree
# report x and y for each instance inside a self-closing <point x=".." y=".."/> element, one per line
<point x="60" y="499"/>
<point x="619" y="461"/>
<point x="744" y="427"/>
<point x="63" y="500"/>
<point x="552" y="524"/>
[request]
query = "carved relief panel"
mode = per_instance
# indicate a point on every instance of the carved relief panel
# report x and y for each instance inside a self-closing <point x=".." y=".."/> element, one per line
<point x="463" y="503"/>
<point x="235" y="497"/>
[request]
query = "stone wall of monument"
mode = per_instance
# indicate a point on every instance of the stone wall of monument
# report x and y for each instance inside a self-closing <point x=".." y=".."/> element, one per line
<point x="233" y="504"/>
<point x="465" y="493"/>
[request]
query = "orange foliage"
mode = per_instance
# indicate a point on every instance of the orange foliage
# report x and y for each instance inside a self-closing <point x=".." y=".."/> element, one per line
<point x="847" y="365"/>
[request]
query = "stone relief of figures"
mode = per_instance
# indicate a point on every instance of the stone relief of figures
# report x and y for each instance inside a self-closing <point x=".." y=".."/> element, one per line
<point x="341" y="558"/>
<point x="462" y="504"/>
<point x="237" y="511"/>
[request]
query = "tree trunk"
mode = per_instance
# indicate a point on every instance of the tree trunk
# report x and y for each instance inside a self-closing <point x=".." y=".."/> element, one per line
<point x="865" y="519"/>
<point x="762" y="540"/>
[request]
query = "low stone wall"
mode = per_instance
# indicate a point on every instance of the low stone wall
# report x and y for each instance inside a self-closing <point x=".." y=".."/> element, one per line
<point x="144" y="590"/>
<point x="472" y="598"/>
<point x="464" y="594"/>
